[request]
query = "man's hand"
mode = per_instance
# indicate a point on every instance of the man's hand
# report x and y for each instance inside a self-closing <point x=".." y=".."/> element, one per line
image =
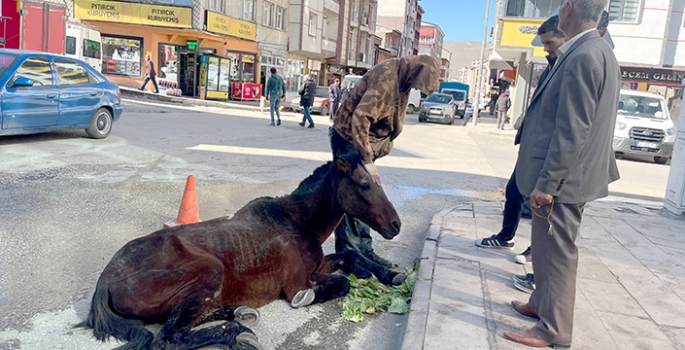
<point x="373" y="171"/>
<point x="539" y="199"/>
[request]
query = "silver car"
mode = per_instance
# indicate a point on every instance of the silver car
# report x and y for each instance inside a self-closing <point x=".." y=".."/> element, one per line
<point x="438" y="108"/>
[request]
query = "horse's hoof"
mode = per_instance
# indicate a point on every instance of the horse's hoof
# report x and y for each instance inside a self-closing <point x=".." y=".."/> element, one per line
<point x="247" y="341"/>
<point x="247" y="316"/>
<point x="399" y="279"/>
<point x="303" y="298"/>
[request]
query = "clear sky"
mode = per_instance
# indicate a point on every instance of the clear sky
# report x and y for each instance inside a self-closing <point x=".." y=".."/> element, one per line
<point x="461" y="20"/>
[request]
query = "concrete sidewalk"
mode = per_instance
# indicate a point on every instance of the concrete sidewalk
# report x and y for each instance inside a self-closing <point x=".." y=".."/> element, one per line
<point x="252" y="106"/>
<point x="631" y="281"/>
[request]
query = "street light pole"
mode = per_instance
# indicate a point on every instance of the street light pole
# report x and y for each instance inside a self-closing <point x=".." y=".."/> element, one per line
<point x="479" y="75"/>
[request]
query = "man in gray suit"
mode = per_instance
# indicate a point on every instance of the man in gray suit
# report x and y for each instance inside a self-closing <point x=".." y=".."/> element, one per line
<point x="566" y="160"/>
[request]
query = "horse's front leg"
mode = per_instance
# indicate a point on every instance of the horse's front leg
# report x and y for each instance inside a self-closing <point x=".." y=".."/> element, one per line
<point x="352" y="262"/>
<point x="324" y="288"/>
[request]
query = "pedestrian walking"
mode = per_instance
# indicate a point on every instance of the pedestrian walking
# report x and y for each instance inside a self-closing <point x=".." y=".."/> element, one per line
<point x="370" y="118"/>
<point x="503" y="105"/>
<point x="345" y="92"/>
<point x="307" y="92"/>
<point x="334" y="96"/>
<point x="566" y="160"/>
<point x="150" y="74"/>
<point x="275" y="90"/>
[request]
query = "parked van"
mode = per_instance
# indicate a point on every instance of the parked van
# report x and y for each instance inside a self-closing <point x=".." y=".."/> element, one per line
<point x="644" y="126"/>
<point x="414" y="104"/>
<point x="83" y="41"/>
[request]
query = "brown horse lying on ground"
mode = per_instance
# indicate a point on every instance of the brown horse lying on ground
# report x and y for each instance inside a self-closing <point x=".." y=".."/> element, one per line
<point x="218" y="270"/>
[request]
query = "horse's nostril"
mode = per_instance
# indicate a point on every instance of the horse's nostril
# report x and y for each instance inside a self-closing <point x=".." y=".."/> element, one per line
<point x="396" y="225"/>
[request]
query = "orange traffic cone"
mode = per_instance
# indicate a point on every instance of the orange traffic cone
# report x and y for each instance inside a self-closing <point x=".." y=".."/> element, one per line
<point x="189" y="213"/>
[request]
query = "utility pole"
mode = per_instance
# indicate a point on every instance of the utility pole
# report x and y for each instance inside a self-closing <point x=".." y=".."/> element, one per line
<point x="479" y="75"/>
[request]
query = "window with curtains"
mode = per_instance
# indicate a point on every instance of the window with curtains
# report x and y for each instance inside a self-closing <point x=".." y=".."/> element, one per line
<point x="624" y="10"/>
<point x="248" y="10"/>
<point x="280" y="18"/>
<point x="215" y="5"/>
<point x="267" y="14"/>
<point x="531" y="8"/>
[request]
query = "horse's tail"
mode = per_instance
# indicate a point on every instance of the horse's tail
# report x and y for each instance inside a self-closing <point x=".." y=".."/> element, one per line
<point x="106" y="323"/>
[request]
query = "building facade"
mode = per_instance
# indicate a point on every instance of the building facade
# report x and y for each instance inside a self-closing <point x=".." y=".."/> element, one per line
<point x="404" y="16"/>
<point x="356" y="37"/>
<point x="314" y="31"/>
<point x="431" y="40"/>
<point x="390" y="42"/>
<point x="445" y="65"/>
<point x="645" y="35"/>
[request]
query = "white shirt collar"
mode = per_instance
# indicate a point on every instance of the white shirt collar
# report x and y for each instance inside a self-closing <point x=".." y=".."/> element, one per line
<point x="567" y="45"/>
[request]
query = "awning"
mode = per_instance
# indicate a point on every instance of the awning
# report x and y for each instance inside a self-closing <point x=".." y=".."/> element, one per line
<point x="497" y="62"/>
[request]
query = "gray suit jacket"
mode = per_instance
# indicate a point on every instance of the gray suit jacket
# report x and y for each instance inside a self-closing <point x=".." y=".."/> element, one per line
<point x="566" y="145"/>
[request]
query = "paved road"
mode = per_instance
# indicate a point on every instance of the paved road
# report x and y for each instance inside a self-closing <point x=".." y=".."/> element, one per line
<point x="68" y="203"/>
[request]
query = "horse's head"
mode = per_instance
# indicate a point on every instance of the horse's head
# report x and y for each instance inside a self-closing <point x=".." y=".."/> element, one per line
<point x="363" y="199"/>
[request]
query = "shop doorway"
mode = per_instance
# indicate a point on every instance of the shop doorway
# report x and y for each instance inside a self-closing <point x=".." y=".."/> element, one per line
<point x="187" y="72"/>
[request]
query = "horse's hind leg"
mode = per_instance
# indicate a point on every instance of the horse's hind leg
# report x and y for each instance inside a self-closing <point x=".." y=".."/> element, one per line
<point x="325" y="287"/>
<point x="243" y="314"/>
<point x="352" y="262"/>
<point x="231" y="334"/>
<point x="191" y="303"/>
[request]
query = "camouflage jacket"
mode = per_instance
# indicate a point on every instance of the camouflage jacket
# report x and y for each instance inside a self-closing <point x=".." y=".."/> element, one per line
<point x="372" y="116"/>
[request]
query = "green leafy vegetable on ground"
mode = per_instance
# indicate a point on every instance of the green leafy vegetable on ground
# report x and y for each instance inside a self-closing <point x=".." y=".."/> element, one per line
<point x="369" y="296"/>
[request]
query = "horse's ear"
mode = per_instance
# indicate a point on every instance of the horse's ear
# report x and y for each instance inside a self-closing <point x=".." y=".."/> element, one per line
<point x="344" y="166"/>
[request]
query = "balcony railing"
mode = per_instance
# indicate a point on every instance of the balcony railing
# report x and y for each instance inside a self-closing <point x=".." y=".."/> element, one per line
<point x="531" y="8"/>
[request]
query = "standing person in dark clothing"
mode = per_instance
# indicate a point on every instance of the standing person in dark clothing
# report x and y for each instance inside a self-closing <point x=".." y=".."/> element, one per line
<point x="514" y="208"/>
<point x="503" y="105"/>
<point x="369" y="119"/>
<point x="307" y="92"/>
<point x="345" y="92"/>
<point x="334" y="96"/>
<point x="150" y="74"/>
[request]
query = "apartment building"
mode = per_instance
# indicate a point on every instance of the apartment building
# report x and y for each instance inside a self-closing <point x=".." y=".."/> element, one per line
<point x="390" y="42"/>
<point x="314" y="31"/>
<point x="404" y="16"/>
<point x="446" y="57"/>
<point x="431" y="39"/>
<point x="356" y="37"/>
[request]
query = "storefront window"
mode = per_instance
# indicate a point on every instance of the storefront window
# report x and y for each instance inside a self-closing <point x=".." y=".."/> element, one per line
<point x="213" y="74"/>
<point x="224" y="78"/>
<point x="122" y="56"/>
<point x="293" y="77"/>
<point x="242" y="66"/>
<point x="168" y="62"/>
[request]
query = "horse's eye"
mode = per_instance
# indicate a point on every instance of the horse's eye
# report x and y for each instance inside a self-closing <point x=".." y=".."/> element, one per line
<point x="365" y="186"/>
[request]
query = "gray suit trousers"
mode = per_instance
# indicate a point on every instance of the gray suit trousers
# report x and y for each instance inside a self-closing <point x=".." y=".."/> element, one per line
<point x="555" y="260"/>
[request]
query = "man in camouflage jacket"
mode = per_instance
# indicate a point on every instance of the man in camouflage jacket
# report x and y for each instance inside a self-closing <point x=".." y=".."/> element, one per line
<point x="369" y="119"/>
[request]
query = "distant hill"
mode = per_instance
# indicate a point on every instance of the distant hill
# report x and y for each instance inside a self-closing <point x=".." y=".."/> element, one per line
<point x="463" y="53"/>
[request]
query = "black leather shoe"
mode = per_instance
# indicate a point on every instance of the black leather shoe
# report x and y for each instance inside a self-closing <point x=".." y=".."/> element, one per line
<point x="371" y="255"/>
<point x="278" y="122"/>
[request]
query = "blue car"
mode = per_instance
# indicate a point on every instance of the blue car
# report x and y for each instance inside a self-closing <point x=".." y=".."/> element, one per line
<point x="46" y="92"/>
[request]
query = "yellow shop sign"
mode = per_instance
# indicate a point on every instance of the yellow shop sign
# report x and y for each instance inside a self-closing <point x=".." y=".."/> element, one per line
<point x="134" y="13"/>
<point x="220" y="24"/>
<point x="520" y="33"/>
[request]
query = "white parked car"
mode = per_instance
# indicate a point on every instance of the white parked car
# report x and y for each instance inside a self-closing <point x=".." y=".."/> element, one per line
<point x="644" y="126"/>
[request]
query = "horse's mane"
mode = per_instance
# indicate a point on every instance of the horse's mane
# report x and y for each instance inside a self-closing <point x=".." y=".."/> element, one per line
<point x="313" y="180"/>
<point x="344" y="150"/>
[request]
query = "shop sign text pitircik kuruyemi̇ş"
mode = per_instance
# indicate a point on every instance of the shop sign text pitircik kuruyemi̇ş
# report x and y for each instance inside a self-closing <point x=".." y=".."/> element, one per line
<point x="134" y="13"/>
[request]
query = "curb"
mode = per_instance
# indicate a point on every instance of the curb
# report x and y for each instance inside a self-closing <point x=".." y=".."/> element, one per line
<point x="141" y="95"/>
<point x="415" y="334"/>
